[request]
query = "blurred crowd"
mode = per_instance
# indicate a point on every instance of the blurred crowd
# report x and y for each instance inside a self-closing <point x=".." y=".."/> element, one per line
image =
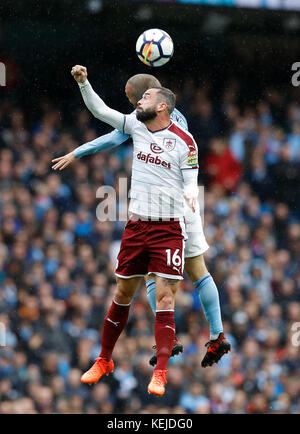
<point x="57" y="264"/>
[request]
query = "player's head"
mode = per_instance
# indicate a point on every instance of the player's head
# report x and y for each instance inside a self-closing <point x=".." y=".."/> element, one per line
<point x="155" y="101"/>
<point x="137" y="85"/>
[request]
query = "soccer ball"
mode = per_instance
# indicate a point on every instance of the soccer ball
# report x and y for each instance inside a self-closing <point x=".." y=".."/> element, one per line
<point x="154" y="47"/>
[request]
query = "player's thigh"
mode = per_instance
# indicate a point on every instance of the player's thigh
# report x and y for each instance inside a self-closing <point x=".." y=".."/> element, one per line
<point x="166" y="249"/>
<point x="166" y="285"/>
<point x="195" y="267"/>
<point x="132" y="259"/>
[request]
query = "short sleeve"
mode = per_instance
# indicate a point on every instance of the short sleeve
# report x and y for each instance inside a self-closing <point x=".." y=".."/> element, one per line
<point x="178" y="117"/>
<point x="129" y="123"/>
<point x="189" y="156"/>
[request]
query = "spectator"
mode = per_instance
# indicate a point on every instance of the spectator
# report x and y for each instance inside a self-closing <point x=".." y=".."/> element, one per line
<point x="222" y="169"/>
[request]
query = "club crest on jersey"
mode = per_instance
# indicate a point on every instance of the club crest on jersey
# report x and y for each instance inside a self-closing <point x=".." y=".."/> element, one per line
<point x="156" y="149"/>
<point x="192" y="159"/>
<point x="169" y="144"/>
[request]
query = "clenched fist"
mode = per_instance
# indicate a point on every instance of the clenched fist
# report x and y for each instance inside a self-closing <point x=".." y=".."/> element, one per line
<point x="79" y="73"/>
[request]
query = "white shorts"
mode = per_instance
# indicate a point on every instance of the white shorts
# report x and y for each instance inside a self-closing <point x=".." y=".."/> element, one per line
<point x="196" y="243"/>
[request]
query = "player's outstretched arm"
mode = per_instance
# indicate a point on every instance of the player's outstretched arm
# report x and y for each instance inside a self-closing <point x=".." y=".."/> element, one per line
<point x="93" y="101"/>
<point x="103" y="143"/>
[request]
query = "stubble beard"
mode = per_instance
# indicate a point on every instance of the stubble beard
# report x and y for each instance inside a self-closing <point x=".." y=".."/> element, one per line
<point x="146" y="115"/>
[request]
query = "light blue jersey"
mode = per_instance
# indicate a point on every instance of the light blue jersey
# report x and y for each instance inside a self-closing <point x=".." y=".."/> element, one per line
<point x="116" y="138"/>
<point x="178" y="117"/>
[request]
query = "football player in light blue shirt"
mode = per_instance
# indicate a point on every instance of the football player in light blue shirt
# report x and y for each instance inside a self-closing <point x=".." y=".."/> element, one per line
<point x="116" y="138"/>
<point x="134" y="89"/>
<point x="194" y="266"/>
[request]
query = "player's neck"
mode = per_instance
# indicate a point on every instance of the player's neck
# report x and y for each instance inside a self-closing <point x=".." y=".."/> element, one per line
<point x="159" y="123"/>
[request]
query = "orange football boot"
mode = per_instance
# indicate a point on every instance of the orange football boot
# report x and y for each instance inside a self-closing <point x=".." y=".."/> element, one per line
<point x="99" y="368"/>
<point x="157" y="383"/>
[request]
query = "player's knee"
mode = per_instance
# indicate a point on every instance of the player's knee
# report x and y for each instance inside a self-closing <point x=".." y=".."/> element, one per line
<point x="122" y="295"/>
<point x="165" y="301"/>
<point x="121" y="298"/>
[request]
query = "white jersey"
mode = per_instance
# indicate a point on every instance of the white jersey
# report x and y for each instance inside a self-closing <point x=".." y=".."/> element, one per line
<point x="158" y="161"/>
<point x="164" y="161"/>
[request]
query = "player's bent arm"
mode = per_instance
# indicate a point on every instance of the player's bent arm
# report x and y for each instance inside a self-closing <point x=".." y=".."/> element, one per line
<point x="190" y="182"/>
<point x="103" y="143"/>
<point x="98" y="107"/>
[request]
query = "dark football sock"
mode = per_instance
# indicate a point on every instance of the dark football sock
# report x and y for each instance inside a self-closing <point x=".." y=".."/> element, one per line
<point x="114" y="323"/>
<point x="164" y="337"/>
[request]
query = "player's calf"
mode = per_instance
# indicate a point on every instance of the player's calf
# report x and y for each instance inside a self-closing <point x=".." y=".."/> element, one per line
<point x="177" y="349"/>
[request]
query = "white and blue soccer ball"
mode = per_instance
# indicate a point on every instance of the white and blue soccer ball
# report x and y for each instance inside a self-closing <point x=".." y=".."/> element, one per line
<point x="154" y="47"/>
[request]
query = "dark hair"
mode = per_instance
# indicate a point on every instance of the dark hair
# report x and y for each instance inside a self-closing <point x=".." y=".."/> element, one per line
<point x="141" y="82"/>
<point x="167" y="96"/>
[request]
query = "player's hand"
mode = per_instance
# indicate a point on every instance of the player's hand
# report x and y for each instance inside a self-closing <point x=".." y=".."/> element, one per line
<point x="191" y="201"/>
<point x="64" y="161"/>
<point x="79" y="73"/>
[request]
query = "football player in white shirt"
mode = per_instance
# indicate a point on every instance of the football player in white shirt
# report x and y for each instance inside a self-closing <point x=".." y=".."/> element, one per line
<point x="195" y="245"/>
<point x="164" y="173"/>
